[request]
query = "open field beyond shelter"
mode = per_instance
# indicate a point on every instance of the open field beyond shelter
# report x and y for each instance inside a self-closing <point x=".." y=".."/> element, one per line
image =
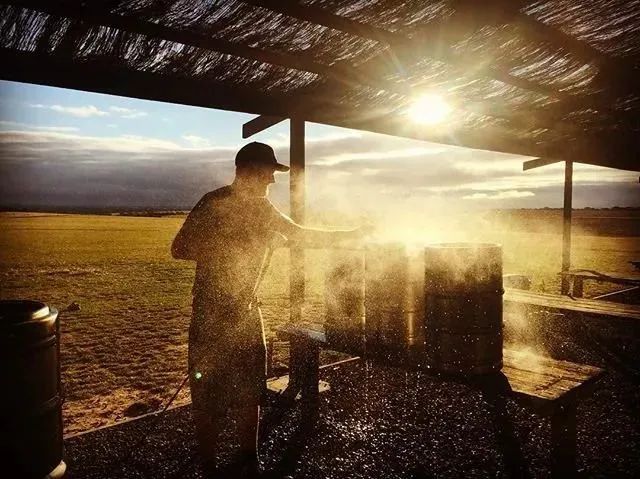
<point x="124" y="351"/>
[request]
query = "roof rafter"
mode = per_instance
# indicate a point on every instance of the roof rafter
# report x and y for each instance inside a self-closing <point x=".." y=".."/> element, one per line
<point x="344" y="74"/>
<point x="124" y="81"/>
<point x="105" y="18"/>
<point x="558" y="38"/>
<point x="475" y="13"/>
<point x="621" y="73"/>
<point x="409" y="50"/>
<point x="99" y="77"/>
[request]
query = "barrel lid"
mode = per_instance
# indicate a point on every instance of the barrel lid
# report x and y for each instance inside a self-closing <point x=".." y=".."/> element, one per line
<point x="22" y="310"/>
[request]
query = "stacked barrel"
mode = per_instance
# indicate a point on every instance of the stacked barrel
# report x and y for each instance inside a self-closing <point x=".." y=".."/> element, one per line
<point x="394" y="305"/>
<point x="344" y="299"/>
<point x="444" y="303"/>
<point x="463" y="298"/>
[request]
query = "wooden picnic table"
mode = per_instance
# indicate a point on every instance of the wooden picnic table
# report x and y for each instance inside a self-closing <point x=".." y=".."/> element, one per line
<point x="579" y="276"/>
<point x="549" y="387"/>
<point x="567" y="304"/>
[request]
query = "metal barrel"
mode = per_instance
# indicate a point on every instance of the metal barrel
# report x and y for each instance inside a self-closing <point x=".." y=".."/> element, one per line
<point x="344" y="298"/>
<point x="463" y="307"/>
<point x="31" y="400"/>
<point x="394" y="298"/>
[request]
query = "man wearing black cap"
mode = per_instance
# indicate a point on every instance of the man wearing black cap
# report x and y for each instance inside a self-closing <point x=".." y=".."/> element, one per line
<point x="228" y="234"/>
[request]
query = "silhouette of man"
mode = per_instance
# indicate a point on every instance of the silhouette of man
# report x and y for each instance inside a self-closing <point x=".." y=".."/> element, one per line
<point x="228" y="234"/>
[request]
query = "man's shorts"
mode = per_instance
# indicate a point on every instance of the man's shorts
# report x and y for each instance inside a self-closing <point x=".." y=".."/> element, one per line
<point x="227" y="356"/>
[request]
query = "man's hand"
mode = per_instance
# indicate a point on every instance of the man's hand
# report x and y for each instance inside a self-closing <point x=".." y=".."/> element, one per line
<point x="364" y="231"/>
<point x="354" y="238"/>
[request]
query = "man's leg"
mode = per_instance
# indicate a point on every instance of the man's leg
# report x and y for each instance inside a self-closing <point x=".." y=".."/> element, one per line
<point x="208" y="429"/>
<point x="247" y="420"/>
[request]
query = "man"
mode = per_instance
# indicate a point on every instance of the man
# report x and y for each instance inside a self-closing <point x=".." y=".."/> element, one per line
<point x="228" y="234"/>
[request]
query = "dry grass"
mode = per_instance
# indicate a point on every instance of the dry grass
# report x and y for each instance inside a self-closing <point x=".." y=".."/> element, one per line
<point x="124" y="352"/>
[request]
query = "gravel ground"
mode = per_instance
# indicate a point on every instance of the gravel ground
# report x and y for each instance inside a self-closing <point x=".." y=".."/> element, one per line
<point x="384" y="422"/>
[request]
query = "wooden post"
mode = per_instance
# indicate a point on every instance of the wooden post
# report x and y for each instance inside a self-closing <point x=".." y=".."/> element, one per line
<point x="297" y="202"/>
<point x="566" y="225"/>
<point x="578" y="287"/>
<point x="563" y="441"/>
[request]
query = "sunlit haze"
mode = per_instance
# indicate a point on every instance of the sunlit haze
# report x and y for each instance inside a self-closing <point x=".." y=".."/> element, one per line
<point x="429" y="109"/>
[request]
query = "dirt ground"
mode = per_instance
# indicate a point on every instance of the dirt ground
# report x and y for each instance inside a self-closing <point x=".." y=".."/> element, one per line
<point x="124" y="351"/>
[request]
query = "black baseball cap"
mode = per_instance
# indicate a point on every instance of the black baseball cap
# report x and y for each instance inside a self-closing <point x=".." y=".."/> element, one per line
<point x="258" y="155"/>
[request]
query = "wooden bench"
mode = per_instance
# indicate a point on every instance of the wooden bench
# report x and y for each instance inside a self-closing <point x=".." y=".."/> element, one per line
<point x="579" y="276"/>
<point x="561" y="303"/>
<point x="550" y="387"/>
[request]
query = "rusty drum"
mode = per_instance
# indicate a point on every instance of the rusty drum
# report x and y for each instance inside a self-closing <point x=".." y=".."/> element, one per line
<point x="463" y="307"/>
<point x="344" y="298"/>
<point x="394" y="298"/>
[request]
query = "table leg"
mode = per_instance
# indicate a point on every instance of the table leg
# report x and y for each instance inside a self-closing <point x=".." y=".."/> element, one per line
<point x="494" y="389"/>
<point x="307" y="377"/>
<point x="296" y="369"/>
<point x="563" y="441"/>
<point x="310" y="388"/>
<point x="578" y="287"/>
<point x="304" y="374"/>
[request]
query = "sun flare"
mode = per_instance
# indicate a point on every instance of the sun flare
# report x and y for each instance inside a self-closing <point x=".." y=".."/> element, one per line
<point x="429" y="109"/>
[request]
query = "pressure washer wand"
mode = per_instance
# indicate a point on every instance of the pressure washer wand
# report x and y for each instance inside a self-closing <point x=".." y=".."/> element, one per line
<point x="263" y="270"/>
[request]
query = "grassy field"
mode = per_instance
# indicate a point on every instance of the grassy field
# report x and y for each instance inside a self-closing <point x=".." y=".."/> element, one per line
<point x="124" y="351"/>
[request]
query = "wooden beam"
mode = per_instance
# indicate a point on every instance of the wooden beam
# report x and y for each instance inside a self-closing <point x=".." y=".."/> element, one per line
<point x="258" y="124"/>
<point x="558" y="38"/>
<point x="538" y="162"/>
<point x="98" y="77"/>
<point x="409" y="50"/>
<point x="617" y="73"/>
<point x="105" y="78"/>
<point x="430" y="43"/>
<point x="566" y="225"/>
<point x="297" y="205"/>
<point x="342" y="73"/>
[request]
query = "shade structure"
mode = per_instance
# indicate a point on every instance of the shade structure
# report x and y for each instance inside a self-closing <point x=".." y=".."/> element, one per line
<point x="554" y="79"/>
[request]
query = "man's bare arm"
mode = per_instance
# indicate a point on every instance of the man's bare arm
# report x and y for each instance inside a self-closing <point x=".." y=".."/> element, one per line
<point x="317" y="237"/>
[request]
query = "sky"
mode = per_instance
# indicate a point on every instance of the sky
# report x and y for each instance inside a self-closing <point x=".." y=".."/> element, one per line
<point x="63" y="148"/>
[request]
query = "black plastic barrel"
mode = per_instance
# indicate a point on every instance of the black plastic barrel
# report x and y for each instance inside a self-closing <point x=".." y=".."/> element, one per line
<point x="30" y="397"/>
<point x="463" y="307"/>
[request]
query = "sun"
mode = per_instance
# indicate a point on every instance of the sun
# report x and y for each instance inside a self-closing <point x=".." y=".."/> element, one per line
<point x="429" y="109"/>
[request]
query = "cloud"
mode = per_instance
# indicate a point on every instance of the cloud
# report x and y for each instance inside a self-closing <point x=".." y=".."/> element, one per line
<point x="78" y="111"/>
<point x="347" y="171"/>
<point x="128" y="113"/>
<point x="196" y="141"/>
<point x="500" y="195"/>
<point x="58" y="169"/>
<point x="88" y="111"/>
<point x="15" y="124"/>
